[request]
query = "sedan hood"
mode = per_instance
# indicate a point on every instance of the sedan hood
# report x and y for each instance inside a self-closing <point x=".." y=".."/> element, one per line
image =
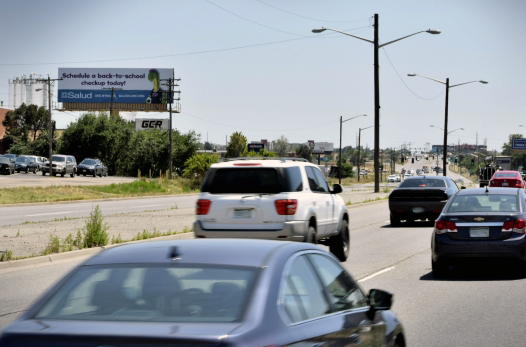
<point x="85" y="333"/>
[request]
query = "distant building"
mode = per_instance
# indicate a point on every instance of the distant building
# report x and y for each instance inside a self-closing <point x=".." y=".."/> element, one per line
<point x="27" y="90"/>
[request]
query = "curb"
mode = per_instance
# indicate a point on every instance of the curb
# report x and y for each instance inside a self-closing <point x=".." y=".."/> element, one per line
<point x="16" y="265"/>
<point x="93" y="200"/>
<point x="364" y="204"/>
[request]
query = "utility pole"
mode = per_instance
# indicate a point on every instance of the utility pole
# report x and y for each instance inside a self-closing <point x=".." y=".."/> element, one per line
<point x="171" y="83"/>
<point x="376" y="108"/>
<point x="340" y="156"/>
<point x="50" y="153"/>
<point x="113" y="89"/>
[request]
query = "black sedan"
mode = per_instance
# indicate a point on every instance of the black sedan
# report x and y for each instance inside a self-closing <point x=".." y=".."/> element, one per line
<point x="7" y="165"/>
<point x="480" y="223"/>
<point x="92" y="167"/>
<point x="209" y="293"/>
<point x="23" y="163"/>
<point x="420" y="197"/>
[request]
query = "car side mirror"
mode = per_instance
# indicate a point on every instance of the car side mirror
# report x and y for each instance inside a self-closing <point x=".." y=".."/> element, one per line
<point x="379" y="300"/>
<point x="336" y="189"/>
<point x="462" y="187"/>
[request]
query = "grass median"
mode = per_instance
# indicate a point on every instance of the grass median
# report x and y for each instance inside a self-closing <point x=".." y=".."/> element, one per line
<point x="140" y="187"/>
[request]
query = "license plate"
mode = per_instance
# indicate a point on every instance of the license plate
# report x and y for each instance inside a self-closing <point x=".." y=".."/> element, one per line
<point x="419" y="210"/>
<point x="83" y="170"/>
<point x="242" y="213"/>
<point x="504" y="184"/>
<point x="479" y="232"/>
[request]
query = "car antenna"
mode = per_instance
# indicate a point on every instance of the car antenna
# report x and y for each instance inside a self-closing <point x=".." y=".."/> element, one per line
<point x="487" y="190"/>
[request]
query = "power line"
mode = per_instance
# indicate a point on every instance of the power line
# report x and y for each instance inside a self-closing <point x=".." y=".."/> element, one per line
<point x="319" y="20"/>
<point x="252" y="129"/>
<point x="253" y="22"/>
<point x="178" y="54"/>
<point x="418" y="96"/>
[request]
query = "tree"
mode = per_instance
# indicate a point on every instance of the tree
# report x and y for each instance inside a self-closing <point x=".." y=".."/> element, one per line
<point x="262" y="153"/>
<point x="281" y="147"/>
<point x="237" y="147"/>
<point x="305" y="152"/>
<point x="208" y="146"/>
<point x="347" y="170"/>
<point x="197" y="166"/>
<point x="23" y="122"/>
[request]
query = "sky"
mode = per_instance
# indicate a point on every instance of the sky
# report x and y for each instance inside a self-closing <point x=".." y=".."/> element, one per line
<point x="255" y="66"/>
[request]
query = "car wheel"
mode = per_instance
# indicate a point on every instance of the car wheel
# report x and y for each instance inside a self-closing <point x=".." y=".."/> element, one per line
<point x="73" y="173"/>
<point x="311" y="235"/>
<point x="395" y="222"/>
<point x="340" y="244"/>
<point x="94" y="173"/>
<point x="9" y="172"/>
<point x="43" y="173"/>
<point x="439" y="268"/>
<point x="18" y="171"/>
<point x="63" y="174"/>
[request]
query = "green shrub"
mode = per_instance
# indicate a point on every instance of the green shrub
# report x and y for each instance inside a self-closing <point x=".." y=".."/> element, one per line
<point x="53" y="245"/>
<point x="67" y="244"/>
<point x="6" y="256"/>
<point x="95" y="230"/>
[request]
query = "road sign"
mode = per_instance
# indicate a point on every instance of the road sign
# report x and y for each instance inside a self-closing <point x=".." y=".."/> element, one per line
<point x="518" y="145"/>
<point x="326" y="159"/>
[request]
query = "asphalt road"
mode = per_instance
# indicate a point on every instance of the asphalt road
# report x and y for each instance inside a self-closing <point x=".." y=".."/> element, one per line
<point x="19" y="214"/>
<point x="477" y="306"/>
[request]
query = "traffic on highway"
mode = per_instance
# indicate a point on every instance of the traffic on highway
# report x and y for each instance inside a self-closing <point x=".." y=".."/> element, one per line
<point x="263" y="173"/>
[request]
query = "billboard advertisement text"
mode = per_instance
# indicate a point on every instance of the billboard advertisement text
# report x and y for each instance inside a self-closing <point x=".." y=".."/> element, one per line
<point x="137" y="86"/>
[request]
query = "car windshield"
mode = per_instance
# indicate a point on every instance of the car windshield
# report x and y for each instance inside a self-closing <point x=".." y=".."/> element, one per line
<point x="245" y="181"/>
<point x="58" y="158"/>
<point x="484" y="203"/>
<point x="88" y="162"/>
<point x="506" y="175"/>
<point x="423" y="182"/>
<point x="5" y="160"/>
<point x="22" y="160"/>
<point x="186" y="293"/>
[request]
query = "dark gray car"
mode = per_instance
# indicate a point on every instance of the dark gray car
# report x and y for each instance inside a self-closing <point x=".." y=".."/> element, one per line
<point x="221" y="292"/>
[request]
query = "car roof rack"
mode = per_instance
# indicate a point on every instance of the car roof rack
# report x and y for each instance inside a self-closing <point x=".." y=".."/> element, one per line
<point x="264" y="158"/>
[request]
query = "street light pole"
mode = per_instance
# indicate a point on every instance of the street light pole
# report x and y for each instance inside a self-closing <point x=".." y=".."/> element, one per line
<point x="340" y="157"/>
<point x="359" y="149"/>
<point x="444" y="158"/>
<point x="377" y="46"/>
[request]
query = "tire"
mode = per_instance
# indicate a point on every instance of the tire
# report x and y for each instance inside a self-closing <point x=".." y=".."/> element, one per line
<point x="17" y="171"/>
<point x="63" y="174"/>
<point x="311" y="235"/>
<point x="340" y="245"/>
<point x="43" y="173"/>
<point x="27" y="170"/>
<point x="84" y="175"/>
<point x="9" y="172"/>
<point x="94" y="173"/>
<point x="72" y="173"/>
<point x="395" y="222"/>
<point x="439" y="269"/>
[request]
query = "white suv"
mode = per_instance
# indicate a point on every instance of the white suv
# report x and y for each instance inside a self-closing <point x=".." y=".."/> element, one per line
<point x="285" y="199"/>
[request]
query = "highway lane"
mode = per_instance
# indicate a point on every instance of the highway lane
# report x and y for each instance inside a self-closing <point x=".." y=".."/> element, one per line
<point x="475" y="306"/>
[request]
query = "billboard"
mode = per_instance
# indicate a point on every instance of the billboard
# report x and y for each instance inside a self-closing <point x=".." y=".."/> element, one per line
<point x="150" y="123"/>
<point x="256" y="147"/>
<point x="323" y="147"/>
<point x="518" y="145"/>
<point x="87" y="85"/>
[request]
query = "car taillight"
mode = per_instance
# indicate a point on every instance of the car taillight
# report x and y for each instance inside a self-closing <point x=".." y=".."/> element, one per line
<point x="519" y="226"/>
<point x="442" y="227"/>
<point x="202" y="206"/>
<point x="286" y="207"/>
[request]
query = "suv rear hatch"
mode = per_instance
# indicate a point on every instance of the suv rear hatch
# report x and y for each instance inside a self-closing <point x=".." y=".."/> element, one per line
<point x="245" y="196"/>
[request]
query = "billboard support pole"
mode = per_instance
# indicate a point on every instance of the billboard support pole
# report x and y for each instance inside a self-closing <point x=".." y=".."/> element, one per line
<point x="170" y="99"/>
<point x="113" y="89"/>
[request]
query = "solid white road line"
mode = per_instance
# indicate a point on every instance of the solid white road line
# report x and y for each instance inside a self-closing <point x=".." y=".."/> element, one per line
<point x="376" y="274"/>
<point x="47" y="214"/>
<point x="144" y="206"/>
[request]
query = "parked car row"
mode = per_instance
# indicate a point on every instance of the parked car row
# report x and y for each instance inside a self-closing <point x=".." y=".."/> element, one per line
<point x="61" y="165"/>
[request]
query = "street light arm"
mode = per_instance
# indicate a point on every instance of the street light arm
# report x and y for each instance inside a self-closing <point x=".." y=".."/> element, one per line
<point x="388" y="43"/>
<point x="362" y="115"/>
<point x="460" y="84"/>
<point x="366" y="128"/>
<point x="429" y="78"/>
<point x="342" y="32"/>
<point x="455" y="130"/>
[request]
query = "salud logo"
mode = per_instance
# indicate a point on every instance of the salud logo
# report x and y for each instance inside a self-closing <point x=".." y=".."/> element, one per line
<point x="64" y="95"/>
<point x="73" y="95"/>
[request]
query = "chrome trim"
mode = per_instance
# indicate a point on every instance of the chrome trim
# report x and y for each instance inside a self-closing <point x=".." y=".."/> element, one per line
<point x="281" y="295"/>
<point x="486" y="224"/>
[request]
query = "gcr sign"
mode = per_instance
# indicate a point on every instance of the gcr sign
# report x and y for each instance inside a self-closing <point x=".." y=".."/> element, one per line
<point x="147" y="124"/>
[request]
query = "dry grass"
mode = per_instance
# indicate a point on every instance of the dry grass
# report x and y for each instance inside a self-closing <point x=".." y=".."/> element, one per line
<point x="142" y="187"/>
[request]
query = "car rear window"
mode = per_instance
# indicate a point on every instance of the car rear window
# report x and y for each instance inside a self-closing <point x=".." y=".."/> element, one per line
<point x="58" y="158"/>
<point x="139" y="293"/>
<point x="423" y="182"/>
<point x="5" y="160"/>
<point x="88" y="162"/>
<point x="243" y="181"/>
<point x="506" y="175"/>
<point x="484" y="203"/>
